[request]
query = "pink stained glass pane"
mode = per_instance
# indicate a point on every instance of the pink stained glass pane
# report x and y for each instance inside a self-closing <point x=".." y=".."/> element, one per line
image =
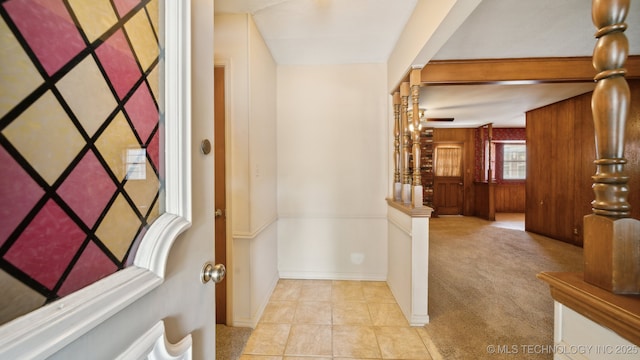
<point x="46" y="247"/>
<point x="18" y="194"/>
<point x="48" y="29"/>
<point x="124" y="6"/>
<point x="88" y="189"/>
<point x="92" y="266"/>
<point x="143" y="112"/>
<point x="117" y="59"/>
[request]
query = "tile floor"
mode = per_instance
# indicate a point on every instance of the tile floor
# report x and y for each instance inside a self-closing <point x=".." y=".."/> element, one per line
<point x="318" y="319"/>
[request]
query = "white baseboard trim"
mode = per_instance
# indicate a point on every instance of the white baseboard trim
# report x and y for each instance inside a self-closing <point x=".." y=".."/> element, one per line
<point x="313" y="275"/>
<point x="255" y="318"/>
<point x="419" y="320"/>
<point x="246" y="323"/>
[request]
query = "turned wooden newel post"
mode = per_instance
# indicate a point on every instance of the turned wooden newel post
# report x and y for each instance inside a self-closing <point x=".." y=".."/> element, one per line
<point x="397" y="124"/>
<point x="414" y="79"/>
<point x="406" y="143"/>
<point x="611" y="237"/>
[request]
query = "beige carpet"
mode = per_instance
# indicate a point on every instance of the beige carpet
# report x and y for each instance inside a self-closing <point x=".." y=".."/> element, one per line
<point x="483" y="289"/>
<point x="230" y="341"/>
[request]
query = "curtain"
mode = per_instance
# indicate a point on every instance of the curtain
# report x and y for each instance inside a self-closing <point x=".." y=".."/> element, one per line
<point x="448" y="161"/>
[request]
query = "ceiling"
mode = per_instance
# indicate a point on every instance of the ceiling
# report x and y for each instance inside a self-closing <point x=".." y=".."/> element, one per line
<point x="326" y="31"/>
<point x="315" y="32"/>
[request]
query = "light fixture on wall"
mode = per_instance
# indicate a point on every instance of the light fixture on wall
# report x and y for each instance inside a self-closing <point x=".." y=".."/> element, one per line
<point x="424" y="120"/>
<point x="439" y="119"/>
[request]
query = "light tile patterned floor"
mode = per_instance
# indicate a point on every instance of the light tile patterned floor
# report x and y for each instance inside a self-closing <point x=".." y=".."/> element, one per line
<point x="318" y="319"/>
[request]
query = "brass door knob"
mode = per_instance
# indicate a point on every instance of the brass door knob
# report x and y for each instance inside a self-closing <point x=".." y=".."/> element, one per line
<point x="213" y="273"/>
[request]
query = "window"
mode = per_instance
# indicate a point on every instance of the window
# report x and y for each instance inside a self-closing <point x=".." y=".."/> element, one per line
<point x="489" y="161"/>
<point x="514" y="164"/>
<point x="448" y="161"/>
<point x="47" y="329"/>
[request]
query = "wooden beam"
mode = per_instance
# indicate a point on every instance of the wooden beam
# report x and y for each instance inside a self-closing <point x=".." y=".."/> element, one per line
<point x="522" y="70"/>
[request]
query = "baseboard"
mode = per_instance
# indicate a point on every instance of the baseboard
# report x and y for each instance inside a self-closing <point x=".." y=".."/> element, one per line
<point x="419" y="320"/>
<point x="245" y="323"/>
<point x="255" y="318"/>
<point x="313" y="275"/>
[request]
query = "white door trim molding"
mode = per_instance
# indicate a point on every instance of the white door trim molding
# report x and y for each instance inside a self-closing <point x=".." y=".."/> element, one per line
<point x="44" y="331"/>
<point x="153" y="345"/>
<point x="175" y="99"/>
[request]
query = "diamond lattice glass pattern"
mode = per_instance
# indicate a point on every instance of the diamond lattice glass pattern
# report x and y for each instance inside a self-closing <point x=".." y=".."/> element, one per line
<point x="79" y="89"/>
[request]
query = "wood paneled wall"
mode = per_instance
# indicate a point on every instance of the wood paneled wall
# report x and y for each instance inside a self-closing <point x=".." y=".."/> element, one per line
<point x="507" y="198"/>
<point x="560" y="155"/>
<point x="510" y="197"/>
<point x="466" y="137"/>
<point x="484" y="195"/>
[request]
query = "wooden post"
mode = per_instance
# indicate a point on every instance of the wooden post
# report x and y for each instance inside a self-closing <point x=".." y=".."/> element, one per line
<point x="406" y="143"/>
<point x="611" y="238"/>
<point x="489" y="153"/>
<point x="397" y="124"/>
<point x="414" y="79"/>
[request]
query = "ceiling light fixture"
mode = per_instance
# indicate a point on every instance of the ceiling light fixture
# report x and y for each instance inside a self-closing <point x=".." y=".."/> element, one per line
<point x="424" y="120"/>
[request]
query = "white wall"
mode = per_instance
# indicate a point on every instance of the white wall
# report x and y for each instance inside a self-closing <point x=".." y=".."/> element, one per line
<point x="251" y="163"/>
<point x="262" y="132"/>
<point x="332" y="171"/>
<point x="232" y="49"/>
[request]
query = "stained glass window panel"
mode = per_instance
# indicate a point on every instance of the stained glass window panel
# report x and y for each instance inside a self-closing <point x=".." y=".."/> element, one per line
<point x="79" y="90"/>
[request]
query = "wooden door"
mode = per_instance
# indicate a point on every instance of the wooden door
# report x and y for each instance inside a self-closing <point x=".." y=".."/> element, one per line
<point x="448" y="194"/>
<point x="220" y="195"/>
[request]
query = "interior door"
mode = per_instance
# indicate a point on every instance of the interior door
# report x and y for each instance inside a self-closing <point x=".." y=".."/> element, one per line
<point x="448" y="188"/>
<point x="448" y="195"/>
<point x="169" y="293"/>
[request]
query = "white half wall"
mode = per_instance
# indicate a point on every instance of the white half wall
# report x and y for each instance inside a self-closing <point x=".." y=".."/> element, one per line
<point x="256" y="275"/>
<point x="408" y="276"/>
<point x="332" y="171"/>
<point x="579" y="338"/>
